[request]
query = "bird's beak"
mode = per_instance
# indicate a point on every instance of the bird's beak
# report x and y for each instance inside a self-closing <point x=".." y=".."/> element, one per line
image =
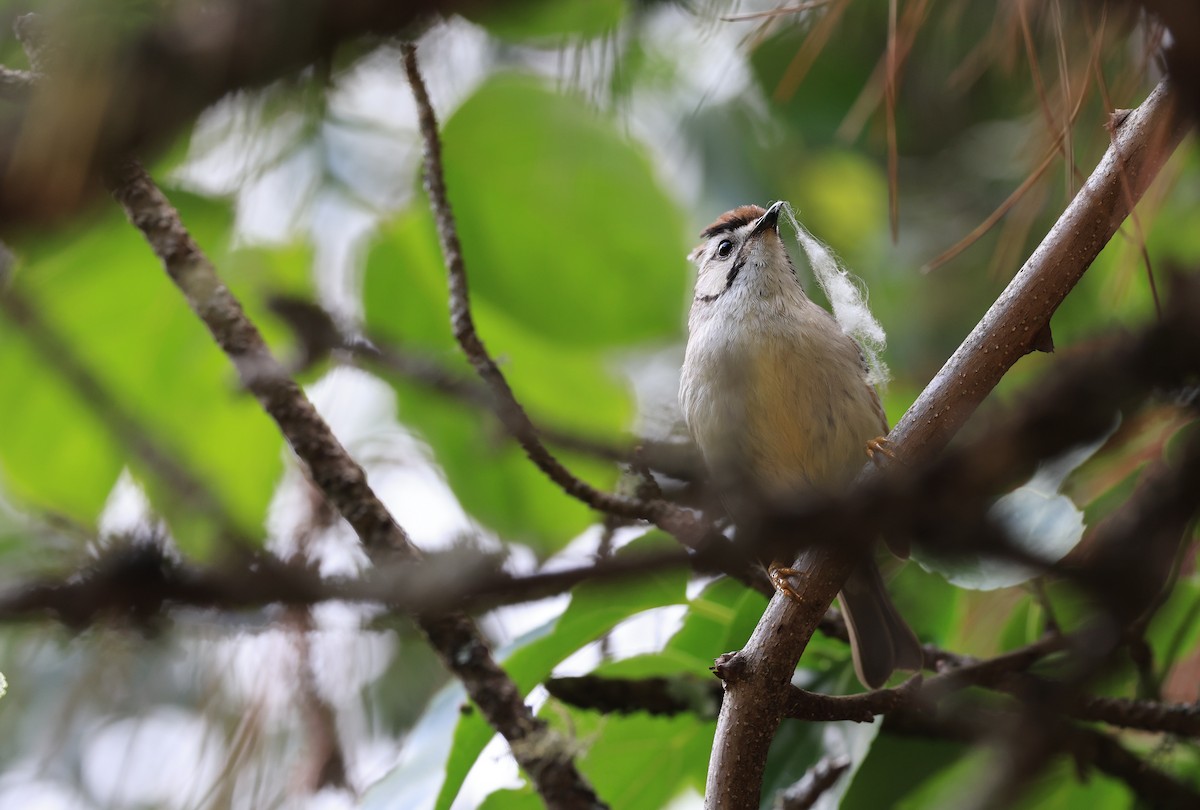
<point x="768" y="221"/>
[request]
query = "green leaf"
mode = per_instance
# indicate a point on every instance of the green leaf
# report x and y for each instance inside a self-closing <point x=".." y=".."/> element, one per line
<point x="550" y="21"/>
<point x="1058" y="788"/>
<point x="105" y="294"/>
<point x="562" y="223"/>
<point x="521" y="799"/>
<point x="1174" y="631"/>
<point x="594" y="610"/>
<point x="639" y="762"/>
<point x="56" y="455"/>
<point x="719" y="620"/>
<point x="1024" y="626"/>
<point x="1038" y="519"/>
<point x="898" y="766"/>
<point x="929" y="604"/>
<point x="405" y="296"/>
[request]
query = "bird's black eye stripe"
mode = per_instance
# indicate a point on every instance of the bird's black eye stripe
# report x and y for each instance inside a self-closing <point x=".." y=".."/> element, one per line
<point x="724" y="249"/>
<point x="733" y="273"/>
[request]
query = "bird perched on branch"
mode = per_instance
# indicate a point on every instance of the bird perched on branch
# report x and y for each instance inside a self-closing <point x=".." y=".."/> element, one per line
<point x="777" y="397"/>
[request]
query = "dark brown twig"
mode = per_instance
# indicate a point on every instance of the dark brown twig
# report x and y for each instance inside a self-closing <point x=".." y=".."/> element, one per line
<point x="667" y="516"/>
<point x="802" y="704"/>
<point x="1148" y="715"/>
<point x="324" y="762"/>
<point x="141" y="583"/>
<point x="819" y="779"/>
<point x="507" y="408"/>
<point x="1105" y="754"/>
<point x="1006" y="674"/>
<point x="455" y="637"/>
<point x="319" y="335"/>
<point x="657" y="696"/>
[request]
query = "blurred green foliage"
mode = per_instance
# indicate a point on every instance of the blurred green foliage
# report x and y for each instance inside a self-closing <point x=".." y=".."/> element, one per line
<point x="577" y="191"/>
<point x="104" y="296"/>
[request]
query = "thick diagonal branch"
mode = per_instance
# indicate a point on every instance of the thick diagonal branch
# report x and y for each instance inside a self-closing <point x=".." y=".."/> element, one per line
<point x="344" y="483"/>
<point x="1012" y="327"/>
<point x="752" y="708"/>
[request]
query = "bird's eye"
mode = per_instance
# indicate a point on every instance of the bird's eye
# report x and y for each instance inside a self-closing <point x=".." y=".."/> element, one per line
<point x="724" y="248"/>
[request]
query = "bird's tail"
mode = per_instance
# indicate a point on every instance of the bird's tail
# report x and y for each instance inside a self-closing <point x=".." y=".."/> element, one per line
<point x="880" y="641"/>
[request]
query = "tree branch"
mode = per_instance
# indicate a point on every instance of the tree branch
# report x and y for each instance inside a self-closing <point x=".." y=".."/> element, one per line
<point x="139" y="581"/>
<point x="819" y="778"/>
<point x="1140" y="146"/>
<point x="511" y="414"/>
<point x="1148" y="715"/>
<point x="676" y="459"/>
<point x="459" y="643"/>
<point x="319" y="335"/>
<point x="752" y="708"/>
<point x="1006" y="673"/>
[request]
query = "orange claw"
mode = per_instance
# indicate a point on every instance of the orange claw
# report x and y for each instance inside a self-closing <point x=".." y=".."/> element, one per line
<point x="880" y="445"/>
<point x="779" y="578"/>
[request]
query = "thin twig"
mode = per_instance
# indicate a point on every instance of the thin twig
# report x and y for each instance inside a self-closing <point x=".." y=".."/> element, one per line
<point x="140" y="583"/>
<point x="1012" y="199"/>
<point x="459" y="643"/>
<point x="319" y="336"/>
<point x="666" y="515"/>
<point x="325" y="765"/>
<point x="802" y="704"/>
<point x="869" y="97"/>
<point x="325" y="758"/>
<point x="1005" y="674"/>
<point x="802" y="62"/>
<point x="819" y="779"/>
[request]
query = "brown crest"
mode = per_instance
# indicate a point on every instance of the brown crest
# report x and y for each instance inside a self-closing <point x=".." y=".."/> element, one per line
<point x="732" y="220"/>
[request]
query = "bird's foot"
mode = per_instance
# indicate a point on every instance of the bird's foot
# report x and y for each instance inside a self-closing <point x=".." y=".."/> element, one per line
<point x="780" y="575"/>
<point x="880" y="446"/>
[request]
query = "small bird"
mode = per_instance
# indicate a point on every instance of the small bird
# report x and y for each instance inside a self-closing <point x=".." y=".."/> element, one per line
<point x="776" y="396"/>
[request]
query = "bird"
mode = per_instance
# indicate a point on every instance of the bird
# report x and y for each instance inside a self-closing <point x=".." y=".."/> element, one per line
<point x="776" y="396"/>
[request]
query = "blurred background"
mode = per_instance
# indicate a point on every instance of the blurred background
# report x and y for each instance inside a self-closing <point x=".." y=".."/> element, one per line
<point x="586" y="145"/>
